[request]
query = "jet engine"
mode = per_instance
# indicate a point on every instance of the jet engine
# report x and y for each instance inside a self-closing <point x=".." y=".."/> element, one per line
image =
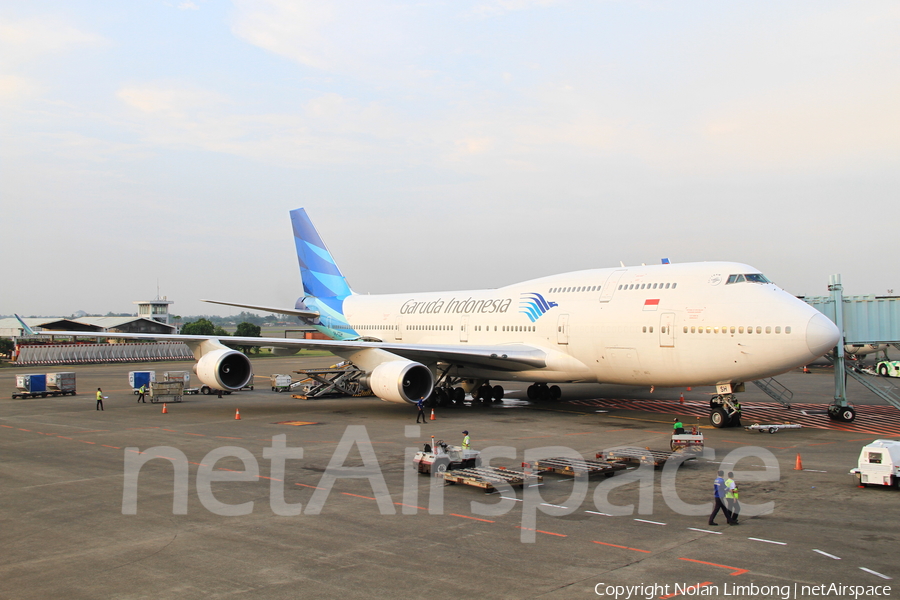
<point x="224" y="369"/>
<point x="401" y="381"/>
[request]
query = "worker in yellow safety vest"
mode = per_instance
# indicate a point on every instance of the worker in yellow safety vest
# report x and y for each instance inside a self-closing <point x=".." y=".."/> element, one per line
<point x="466" y="441"/>
<point x="731" y="496"/>
<point x="142" y="392"/>
<point x="99" y="399"/>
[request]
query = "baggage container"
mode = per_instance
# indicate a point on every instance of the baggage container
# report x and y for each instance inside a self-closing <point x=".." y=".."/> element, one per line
<point x="182" y="376"/>
<point x="61" y="382"/>
<point x="138" y="378"/>
<point x="281" y="383"/>
<point x="32" y="382"/>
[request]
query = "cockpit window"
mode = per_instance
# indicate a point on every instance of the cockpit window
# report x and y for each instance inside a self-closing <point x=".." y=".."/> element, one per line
<point x="751" y="277"/>
<point x="757" y="278"/>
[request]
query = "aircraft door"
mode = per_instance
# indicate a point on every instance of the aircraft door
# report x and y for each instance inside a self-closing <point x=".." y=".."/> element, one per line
<point x="398" y="334"/>
<point x="666" y="330"/>
<point x="609" y="287"/>
<point x="464" y="329"/>
<point x="562" y="330"/>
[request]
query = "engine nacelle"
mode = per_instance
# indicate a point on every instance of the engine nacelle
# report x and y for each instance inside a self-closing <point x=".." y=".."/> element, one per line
<point x="401" y="381"/>
<point x="224" y="369"/>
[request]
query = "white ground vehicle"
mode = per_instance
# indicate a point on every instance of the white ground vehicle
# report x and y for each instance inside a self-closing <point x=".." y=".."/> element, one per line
<point x="439" y="457"/>
<point x="879" y="464"/>
<point x="888" y="368"/>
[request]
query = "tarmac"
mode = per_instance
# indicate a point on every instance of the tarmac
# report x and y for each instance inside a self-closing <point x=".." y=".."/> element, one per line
<point x="382" y="531"/>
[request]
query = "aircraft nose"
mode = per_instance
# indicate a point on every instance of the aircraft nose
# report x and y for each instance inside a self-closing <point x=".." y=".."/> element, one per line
<point x="821" y="334"/>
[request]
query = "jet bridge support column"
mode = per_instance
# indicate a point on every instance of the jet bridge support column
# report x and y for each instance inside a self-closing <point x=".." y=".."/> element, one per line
<point x="840" y="409"/>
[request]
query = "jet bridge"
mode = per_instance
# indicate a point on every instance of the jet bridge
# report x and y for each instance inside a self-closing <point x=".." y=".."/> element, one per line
<point x="863" y="320"/>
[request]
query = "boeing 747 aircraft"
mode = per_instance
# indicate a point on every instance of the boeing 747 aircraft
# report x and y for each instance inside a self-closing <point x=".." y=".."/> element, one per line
<point x="668" y="325"/>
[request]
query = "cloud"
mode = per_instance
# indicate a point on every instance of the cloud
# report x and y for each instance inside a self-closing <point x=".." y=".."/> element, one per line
<point x="25" y="39"/>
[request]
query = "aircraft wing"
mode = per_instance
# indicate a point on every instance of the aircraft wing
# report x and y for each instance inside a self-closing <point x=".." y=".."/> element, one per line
<point x="505" y="357"/>
<point x="279" y="311"/>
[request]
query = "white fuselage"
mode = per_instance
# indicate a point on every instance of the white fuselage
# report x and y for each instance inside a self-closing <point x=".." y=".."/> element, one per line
<point x="666" y="325"/>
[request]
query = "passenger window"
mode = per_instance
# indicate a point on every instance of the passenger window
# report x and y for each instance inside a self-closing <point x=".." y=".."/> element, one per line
<point x="685" y="328"/>
<point x="732" y="329"/>
<point x="693" y="330"/>
<point x="674" y="285"/>
<point x="620" y="287"/>
<point x="787" y="329"/>
<point x="651" y="329"/>
<point x="778" y="329"/>
<point x="759" y="330"/>
<point x="645" y="329"/>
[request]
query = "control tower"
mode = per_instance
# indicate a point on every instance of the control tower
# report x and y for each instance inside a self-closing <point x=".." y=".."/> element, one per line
<point x="158" y="309"/>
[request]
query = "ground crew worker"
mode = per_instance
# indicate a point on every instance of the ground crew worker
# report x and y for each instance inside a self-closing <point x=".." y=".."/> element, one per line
<point x="421" y="406"/>
<point x="466" y="441"/>
<point x="731" y="497"/>
<point x="99" y="399"/>
<point x="678" y="427"/>
<point x="718" y="497"/>
<point x="141" y="392"/>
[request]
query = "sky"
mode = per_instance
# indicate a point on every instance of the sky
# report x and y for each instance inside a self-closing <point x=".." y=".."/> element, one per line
<point x="156" y="146"/>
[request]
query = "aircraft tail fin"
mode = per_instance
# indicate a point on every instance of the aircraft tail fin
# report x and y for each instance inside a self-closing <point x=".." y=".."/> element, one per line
<point x="27" y="329"/>
<point x="320" y="274"/>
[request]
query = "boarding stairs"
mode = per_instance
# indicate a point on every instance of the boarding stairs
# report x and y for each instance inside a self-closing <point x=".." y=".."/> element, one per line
<point x="775" y="390"/>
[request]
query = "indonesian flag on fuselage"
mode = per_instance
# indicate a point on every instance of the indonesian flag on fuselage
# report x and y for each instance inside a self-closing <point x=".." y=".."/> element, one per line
<point x="651" y="304"/>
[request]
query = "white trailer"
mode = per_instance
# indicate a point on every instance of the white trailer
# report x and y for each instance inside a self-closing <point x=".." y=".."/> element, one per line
<point x="879" y="464"/>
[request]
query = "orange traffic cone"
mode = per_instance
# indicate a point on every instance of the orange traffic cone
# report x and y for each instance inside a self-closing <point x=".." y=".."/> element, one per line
<point x="806" y="369"/>
<point x="432" y="415"/>
<point x="165" y="410"/>
<point x="798" y="466"/>
<point x="681" y="399"/>
<point x="689" y="389"/>
<point x="237" y="414"/>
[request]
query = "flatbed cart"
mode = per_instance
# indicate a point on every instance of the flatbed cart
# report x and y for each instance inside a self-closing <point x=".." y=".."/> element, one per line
<point x="657" y="458"/>
<point x="487" y="478"/>
<point x="578" y="468"/>
<point x="166" y="391"/>
<point x="773" y="427"/>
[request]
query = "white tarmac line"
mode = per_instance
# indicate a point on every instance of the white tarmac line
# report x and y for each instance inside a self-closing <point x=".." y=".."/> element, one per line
<point x="554" y="505"/>
<point x="651" y="522"/>
<point x="875" y="573"/>
<point x="768" y="541"/>
<point x="826" y="554"/>
<point x="705" y="530"/>
<point x="508" y="498"/>
<point x="593" y="512"/>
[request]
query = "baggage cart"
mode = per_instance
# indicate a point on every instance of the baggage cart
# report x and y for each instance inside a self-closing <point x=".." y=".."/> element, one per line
<point x="166" y="391"/>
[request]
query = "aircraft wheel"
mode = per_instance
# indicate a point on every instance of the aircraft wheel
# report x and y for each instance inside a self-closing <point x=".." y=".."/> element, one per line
<point x="497" y="393"/>
<point x="846" y="414"/>
<point x="532" y="391"/>
<point x="555" y="392"/>
<point x="718" y="418"/>
<point x="773" y="429"/>
<point x="459" y="395"/>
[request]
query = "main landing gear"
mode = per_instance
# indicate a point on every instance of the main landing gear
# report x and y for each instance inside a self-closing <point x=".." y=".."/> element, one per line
<point x="541" y="391"/>
<point x="453" y="393"/>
